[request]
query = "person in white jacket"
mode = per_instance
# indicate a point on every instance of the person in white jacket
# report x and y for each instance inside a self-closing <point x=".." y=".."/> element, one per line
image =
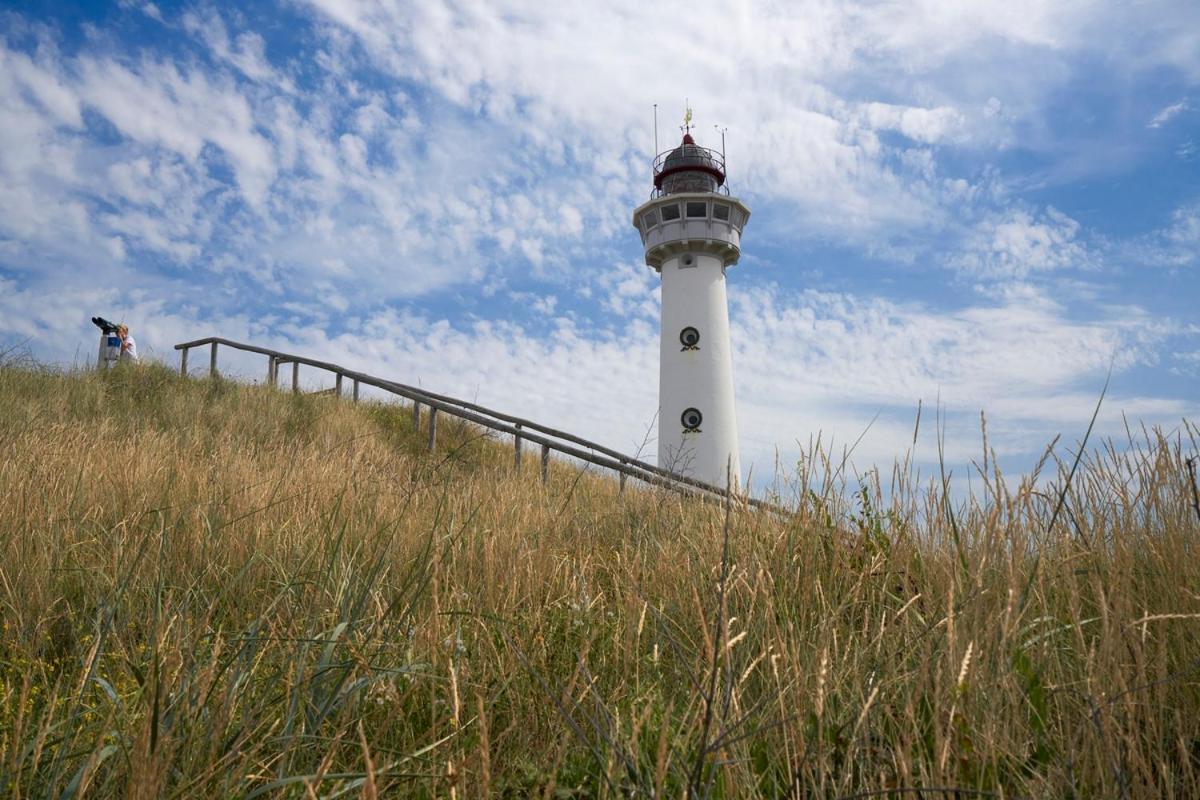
<point x="128" y="345"/>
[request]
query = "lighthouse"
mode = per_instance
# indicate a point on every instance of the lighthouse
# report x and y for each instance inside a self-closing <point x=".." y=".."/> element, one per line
<point x="691" y="229"/>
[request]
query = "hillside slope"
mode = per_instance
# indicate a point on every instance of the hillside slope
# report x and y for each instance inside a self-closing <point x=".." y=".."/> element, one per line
<point x="209" y="589"/>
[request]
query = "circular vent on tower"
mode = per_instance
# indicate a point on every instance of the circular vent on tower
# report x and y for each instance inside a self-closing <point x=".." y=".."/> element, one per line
<point x="689" y="337"/>
<point x="691" y="419"/>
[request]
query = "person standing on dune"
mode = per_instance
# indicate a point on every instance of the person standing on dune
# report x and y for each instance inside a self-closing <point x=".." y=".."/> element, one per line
<point x="128" y="345"/>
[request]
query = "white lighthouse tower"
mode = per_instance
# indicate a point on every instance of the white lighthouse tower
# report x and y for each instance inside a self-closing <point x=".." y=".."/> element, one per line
<point x="692" y="231"/>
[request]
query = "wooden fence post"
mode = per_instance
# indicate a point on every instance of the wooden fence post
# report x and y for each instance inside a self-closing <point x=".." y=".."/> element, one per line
<point x="337" y="386"/>
<point x="356" y="390"/>
<point x="271" y="368"/>
<point x="432" y="428"/>
<point x="545" y="463"/>
<point x="295" y="377"/>
<point x="183" y="362"/>
<point x="622" y="489"/>
<point x="416" y="416"/>
<point x="517" y="447"/>
<point x="212" y="362"/>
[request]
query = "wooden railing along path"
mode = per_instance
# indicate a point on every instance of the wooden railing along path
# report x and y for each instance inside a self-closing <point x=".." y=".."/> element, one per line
<point x="522" y="430"/>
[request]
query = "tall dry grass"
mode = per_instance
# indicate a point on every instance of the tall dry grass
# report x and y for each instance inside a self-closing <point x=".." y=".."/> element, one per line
<point x="217" y="590"/>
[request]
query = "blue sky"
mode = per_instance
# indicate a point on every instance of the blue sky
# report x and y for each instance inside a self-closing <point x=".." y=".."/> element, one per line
<point x="981" y="205"/>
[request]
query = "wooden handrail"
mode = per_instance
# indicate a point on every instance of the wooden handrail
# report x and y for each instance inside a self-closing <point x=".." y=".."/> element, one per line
<point x="423" y="395"/>
<point x="494" y="420"/>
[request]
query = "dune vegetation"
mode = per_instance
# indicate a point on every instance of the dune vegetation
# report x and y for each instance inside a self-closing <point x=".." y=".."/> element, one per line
<point x="210" y="589"/>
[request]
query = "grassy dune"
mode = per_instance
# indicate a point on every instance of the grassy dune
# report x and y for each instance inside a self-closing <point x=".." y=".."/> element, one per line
<point x="212" y="590"/>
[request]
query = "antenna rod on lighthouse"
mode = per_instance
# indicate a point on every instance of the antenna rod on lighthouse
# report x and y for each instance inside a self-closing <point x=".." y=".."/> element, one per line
<point x="656" y="130"/>
<point x="723" y="161"/>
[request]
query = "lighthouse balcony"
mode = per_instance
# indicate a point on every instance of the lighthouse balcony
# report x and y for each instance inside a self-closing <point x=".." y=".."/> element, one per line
<point x="699" y="222"/>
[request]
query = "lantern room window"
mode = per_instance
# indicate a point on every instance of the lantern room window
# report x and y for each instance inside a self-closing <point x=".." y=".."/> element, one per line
<point x="697" y="210"/>
<point x="670" y="212"/>
<point x="649" y="219"/>
<point x="721" y="212"/>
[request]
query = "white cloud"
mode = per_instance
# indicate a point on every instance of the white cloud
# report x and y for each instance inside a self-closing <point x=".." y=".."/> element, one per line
<point x="47" y="89"/>
<point x="1184" y="229"/>
<point x="807" y="145"/>
<point x="1167" y="114"/>
<point x="1019" y="243"/>
<point x="805" y="86"/>
<point x="829" y="362"/>
<point x="926" y="125"/>
<point x="1175" y="245"/>
<point x="149" y="9"/>
<point x="547" y="148"/>
<point x="1186" y="364"/>
<point x="410" y="215"/>
<point x="246" y="52"/>
<point x="886" y="353"/>
<point x="630" y="290"/>
<point x="156" y="103"/>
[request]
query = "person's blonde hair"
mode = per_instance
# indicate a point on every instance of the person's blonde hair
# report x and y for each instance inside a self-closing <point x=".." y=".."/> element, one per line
<point x="122" y="328"/>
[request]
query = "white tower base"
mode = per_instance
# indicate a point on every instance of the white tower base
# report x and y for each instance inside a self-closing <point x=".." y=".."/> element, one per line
<point x="699" y="376"/>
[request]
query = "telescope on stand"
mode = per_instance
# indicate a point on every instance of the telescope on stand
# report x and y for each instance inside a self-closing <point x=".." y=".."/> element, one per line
<point x="110" y="343"/>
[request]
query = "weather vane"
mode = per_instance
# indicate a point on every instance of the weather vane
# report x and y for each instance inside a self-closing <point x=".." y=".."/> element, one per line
<point x="687" y="116"/>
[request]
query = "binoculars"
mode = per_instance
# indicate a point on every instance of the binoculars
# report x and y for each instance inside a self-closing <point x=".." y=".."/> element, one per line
<point x="104" y="325"/>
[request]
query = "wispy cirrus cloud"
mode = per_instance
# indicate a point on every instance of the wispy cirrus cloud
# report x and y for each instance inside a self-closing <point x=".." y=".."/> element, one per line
<point x="1167" y="114"/>
<point x="1175" y="245"/>
<point x="1018" y="243"/>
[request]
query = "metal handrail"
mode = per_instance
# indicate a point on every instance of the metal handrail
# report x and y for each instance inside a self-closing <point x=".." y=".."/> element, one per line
<point x="656" y="192"/>
<point x="521" y="429"/>
<point x="715" y="156"/>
